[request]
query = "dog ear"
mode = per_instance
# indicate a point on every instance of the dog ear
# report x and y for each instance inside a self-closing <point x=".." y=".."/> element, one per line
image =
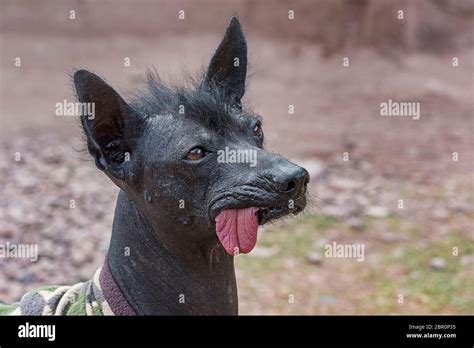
<point x="228" y="67"/>
<point x="105" y="128"/>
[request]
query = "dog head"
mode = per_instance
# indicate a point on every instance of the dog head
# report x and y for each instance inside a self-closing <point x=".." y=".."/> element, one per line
<point x="193" y="156"/>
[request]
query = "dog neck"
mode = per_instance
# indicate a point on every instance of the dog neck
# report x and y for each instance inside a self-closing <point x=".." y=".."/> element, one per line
<point x="191" y="279"/>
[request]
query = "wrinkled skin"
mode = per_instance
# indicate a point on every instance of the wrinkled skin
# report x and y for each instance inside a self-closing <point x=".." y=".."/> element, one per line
<point x="164" y="252"/>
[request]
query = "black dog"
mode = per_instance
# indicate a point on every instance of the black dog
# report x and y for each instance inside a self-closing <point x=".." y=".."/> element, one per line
<point x="195" y="185"/>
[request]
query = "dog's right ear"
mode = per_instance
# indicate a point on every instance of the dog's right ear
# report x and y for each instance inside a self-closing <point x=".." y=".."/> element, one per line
<point x="228" y="67"/>
<point x="105" y="127"/>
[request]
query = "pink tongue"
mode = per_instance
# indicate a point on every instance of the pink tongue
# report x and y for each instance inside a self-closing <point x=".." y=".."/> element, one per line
<point x="237" y="229"/>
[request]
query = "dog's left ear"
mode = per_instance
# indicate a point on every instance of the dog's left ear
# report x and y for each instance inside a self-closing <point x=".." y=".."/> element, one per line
<point x="228" y="67"/>
<point x="106" y="141"/>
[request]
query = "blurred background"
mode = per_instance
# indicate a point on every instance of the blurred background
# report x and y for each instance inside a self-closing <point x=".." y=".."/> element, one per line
<point x="361" y="164"/>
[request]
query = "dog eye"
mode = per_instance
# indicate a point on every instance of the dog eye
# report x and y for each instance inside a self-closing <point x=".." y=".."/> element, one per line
<point x="195" y="154"/>
<point x="257" y="131"/>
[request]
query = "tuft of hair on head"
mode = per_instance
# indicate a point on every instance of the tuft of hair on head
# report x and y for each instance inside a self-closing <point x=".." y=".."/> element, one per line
<point x="208" y="106"/>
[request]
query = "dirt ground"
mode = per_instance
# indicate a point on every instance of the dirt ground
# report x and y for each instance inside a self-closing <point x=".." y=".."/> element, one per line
<point x="337" y="110"/>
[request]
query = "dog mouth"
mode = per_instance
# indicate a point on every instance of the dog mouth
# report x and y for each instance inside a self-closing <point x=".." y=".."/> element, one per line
<point x="266" y="214"/>
<point x="237" y="225"/>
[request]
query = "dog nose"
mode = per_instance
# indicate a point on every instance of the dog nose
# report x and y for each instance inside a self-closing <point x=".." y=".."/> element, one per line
<point x="292" y="179"/>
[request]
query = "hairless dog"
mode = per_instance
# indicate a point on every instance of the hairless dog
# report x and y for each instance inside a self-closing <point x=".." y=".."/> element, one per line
<point x="195" y="184"/>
